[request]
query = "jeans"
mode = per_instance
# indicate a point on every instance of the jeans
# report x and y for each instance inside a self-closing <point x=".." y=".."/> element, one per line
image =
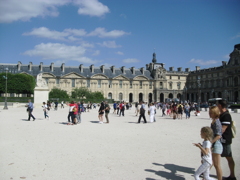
<point x="30" y="114"/>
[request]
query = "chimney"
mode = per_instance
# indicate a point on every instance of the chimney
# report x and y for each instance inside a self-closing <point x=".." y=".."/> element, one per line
<point x="51" y="67"/>
<point x="171" y="68"/>
<point x="197" y="68"/>
<point x="19" y="66"/>
<point x="179" y="69"/>
<point x="81" y="68"/>
<point x="63" y="67"/>
<point x="92" y="68"/>
<point x="133" y="70"/>
<point x="113" y="69"/>
<point x="41" y="66"/>
<point x="224" y="63"/>
<point x="147" y="66"/>
<point x="30" y="66"/>
<point x="123" y="69"/>
<point x="142" y="70"/>
<point x="187" y="69"/>
<point x="102" y="68"/>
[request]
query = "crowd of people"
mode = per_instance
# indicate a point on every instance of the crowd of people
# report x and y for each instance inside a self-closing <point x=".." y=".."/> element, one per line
<point x="217" y="137"/>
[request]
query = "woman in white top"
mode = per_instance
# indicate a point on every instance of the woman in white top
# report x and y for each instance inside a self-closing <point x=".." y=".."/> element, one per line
<point x="151" y="111"/>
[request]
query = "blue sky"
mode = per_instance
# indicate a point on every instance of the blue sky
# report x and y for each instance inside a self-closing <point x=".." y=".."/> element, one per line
<point x="182" y="33"/>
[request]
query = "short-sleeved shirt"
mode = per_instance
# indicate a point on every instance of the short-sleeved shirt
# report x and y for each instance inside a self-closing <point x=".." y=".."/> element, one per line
<point x="217" y="128"/>
<point x="207" y="157"/>
<point x="226" y="120"/>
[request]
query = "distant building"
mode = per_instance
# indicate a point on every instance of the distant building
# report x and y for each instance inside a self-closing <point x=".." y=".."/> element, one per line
<point x="154" y="83"/>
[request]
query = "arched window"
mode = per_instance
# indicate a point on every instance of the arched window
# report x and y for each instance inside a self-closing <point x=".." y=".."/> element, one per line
<point x="120" y="97"/>
<point x="109" y="95"/>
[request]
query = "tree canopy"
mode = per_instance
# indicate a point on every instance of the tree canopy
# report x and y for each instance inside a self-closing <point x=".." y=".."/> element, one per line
<point x="17" y="83"/>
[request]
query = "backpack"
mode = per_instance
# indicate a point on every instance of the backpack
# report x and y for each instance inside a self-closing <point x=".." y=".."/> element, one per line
<point x="180" y="107"/>
<point x="142" y="110"/>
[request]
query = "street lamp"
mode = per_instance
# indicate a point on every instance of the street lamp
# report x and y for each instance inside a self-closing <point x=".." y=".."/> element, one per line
<point x="5" y="104"/>
<point x="199" y="92"/>
<point x="185" y="90"/>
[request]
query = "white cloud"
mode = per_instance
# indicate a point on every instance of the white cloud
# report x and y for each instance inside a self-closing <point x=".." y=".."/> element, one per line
<point x="96" y="53"/>
<point x="46" y="33"/>
<point x="59" y="52"/>
<point x="101" y="32"/>
<point x="24" y="10"/>
<point x="203" y="63"/>
<point x="76" y="32"/>
<point x="72" y="34"/>
<point x="91" y="7"/>
<point x="109" y="44"/>
<point x="237" y="36"/>
<point x="131" y="60"/>
<point x="119" y="53"/>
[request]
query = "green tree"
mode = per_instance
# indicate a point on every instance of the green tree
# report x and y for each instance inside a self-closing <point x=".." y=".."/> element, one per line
<point x="58" y="93"/>
<point x="80" y="93"/>
<point x="17" y="83"/>
<point x="97" y="95"/>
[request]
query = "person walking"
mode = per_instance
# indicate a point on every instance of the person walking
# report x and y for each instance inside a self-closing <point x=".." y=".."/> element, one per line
<point x="45" y="110"/>
<point x="107" y="110"/>
<point x="62" y="104"/>
<point x="163" y="109"/>
<point x="142" y="113"/>
<point x="101" y="112"/>
<point x="30" y="110"/>
<point x="205" y="147"/>
<point x="226" y="121"/>
<point x="151" y="110"/>
<point x="216" y="126"/>
<point x="114" y="107"/>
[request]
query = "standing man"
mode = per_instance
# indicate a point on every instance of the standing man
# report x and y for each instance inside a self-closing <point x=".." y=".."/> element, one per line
<point x="107" y="110"/>
<point x="142" y="113"/>
<point x="226" y="121"/>
<point x="62" y="106"/>
<point x="30" y="109"/>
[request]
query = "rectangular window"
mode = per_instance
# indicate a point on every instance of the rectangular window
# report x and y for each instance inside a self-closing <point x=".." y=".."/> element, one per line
<point x="99" y="83"/>
<point x="73" y="82"/>
<point x="170" y="77"/>
<point x="57" y="81"/>
<point x="120" y="84"/>
<point x="150" y="85"/>
<point x="170" y="86"/>
<point x="110" y="83"/>
<point x="88" y="83"/>
<point x="140" y="84"/>
<point x="46" y="80"/>
<point x="131" y="84"/>
<point x="178" y="77"/>
<point x="161" y="85"/>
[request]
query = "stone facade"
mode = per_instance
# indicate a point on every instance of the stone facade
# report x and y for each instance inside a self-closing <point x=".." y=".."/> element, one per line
<point x="153" y="83"/>
<point x="222" y="81"/>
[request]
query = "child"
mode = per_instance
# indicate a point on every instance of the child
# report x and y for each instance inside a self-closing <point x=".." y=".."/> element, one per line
<point x="45" y="110"/>
<point x="206" y="134"/>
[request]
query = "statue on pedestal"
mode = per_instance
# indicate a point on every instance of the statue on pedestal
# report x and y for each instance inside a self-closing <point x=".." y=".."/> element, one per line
<point x="40" y="81"/>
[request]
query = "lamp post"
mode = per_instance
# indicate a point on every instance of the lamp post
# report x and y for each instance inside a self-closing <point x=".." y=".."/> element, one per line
<point x="5" y="104"/>
<point x="185" y="90"/>
<point x="199" y="92"/>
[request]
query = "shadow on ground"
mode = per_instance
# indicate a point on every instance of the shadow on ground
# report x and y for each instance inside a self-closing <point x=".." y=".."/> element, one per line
<point x="173" y="174"/>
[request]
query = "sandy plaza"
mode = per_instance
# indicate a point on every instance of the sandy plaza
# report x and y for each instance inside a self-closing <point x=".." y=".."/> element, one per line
<point x="122" y="150"/>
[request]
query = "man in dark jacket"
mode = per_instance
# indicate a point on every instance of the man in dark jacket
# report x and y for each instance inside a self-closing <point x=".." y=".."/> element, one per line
<point x="226" y="140"/>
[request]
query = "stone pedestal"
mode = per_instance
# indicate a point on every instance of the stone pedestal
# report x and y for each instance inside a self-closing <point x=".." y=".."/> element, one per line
<point x="41" y="94"/>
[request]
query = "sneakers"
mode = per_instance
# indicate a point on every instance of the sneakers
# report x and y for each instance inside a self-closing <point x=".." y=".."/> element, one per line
<point x="100" y="122"/>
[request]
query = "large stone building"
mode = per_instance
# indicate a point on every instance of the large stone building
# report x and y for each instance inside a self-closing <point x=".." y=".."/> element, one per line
<point x="153" y="83"/>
